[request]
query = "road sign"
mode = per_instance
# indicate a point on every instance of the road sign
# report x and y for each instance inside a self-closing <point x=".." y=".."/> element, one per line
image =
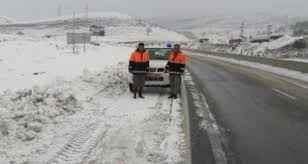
<point x="78" y="38"/>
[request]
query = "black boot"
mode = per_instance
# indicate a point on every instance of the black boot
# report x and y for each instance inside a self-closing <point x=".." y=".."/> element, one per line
<point x="175" y="96"/>
<point x="140" y="93"/>
<point x="171" y="96"/>
<point x="135" y="94"/>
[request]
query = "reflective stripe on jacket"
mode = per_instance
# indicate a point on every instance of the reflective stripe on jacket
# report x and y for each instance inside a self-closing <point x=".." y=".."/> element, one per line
<point x="176" y="63"/>
<point x="139" y="62"/>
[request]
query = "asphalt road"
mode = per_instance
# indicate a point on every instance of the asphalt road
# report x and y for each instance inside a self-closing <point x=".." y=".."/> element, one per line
<point x="264" y="120"/>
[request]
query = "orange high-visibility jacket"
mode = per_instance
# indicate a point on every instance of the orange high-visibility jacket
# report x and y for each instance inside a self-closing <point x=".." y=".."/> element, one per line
<point x="176" y="63"/>
<point x="139" y="62"/>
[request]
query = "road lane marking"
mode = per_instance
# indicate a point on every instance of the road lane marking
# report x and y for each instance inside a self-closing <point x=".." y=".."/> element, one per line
<point x="284" y="94"/>
<point x="209" y="123"/>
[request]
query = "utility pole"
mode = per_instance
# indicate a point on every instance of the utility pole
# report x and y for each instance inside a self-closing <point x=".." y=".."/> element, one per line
<point x="242" y="29"/>
<point x="269" y="30"/>
<point x="87" y="12"/>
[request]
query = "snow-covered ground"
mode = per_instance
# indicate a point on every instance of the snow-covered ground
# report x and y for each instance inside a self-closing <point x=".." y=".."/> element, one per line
<point x="27" y="61"/>
<point x="282" y="48"/>
<point x="33" y="56"/>
<point x="60" y="107"/>
<point x="264" y="49"/>
<point x="298" y="60"/>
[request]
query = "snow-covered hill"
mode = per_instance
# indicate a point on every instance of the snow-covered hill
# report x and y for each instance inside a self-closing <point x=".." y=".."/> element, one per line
<point x="5" y="20"/>
<point x="119" y="27"/>
<point x="219" y="29"/>
<point x="223" y="27"/>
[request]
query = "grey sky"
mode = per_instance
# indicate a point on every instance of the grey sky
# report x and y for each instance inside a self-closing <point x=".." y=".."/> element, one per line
<point x="35" y="9"/>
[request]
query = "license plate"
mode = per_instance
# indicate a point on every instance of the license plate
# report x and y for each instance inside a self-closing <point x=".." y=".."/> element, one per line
<point x="154" y="77"/>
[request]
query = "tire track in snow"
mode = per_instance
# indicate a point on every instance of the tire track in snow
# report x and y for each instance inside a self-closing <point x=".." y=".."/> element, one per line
<point x="79" y="145"/>
<point x="83" y="141"/>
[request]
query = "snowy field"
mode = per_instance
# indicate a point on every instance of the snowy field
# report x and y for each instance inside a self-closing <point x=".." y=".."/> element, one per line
<point x="60" y="107"/>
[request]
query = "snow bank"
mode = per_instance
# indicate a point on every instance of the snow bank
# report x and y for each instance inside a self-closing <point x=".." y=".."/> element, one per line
<point x="263" y="49"/>
<point x="33" y="116"/>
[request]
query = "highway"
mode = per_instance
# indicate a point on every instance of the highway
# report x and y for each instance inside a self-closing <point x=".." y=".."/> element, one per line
<point x="262" y="118"/>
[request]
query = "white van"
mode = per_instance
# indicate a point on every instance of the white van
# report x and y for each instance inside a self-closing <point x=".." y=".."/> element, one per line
<point x="157" y="76"/>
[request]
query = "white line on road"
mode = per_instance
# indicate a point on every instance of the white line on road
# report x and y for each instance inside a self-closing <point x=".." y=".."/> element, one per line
<point x="209" y="121"/>
<point x="284" y="94"/>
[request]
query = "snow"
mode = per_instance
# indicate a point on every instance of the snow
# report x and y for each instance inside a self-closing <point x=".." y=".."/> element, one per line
<point x="32" y="59"/>
<point x="23" y="57"/>
<point x="133" y="33"/>
<point x="5" y="20"/>
<point x="263" y="48"/>
<point x="153" y="137"/>
<point x="146" y="131"/>
<point x="60" y="107"/>
<point x="222" y="27"/>
<point x="297" y="59"/>
<point x="108" y="15"/>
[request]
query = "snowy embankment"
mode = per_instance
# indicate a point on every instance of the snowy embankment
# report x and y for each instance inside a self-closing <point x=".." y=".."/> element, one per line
<point x="265" y="49"/>
<point x="96" y="117"/>
<point x="280" y="48"/>
<point x="60" y="107"/>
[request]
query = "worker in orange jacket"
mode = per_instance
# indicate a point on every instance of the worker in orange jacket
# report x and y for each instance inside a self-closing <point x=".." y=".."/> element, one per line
<point x="139" y="66"/>
<point x="175" y="67"/>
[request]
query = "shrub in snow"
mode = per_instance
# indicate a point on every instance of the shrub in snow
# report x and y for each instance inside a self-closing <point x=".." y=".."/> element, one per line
<point x="31" y="109"/>
<point x="110" y="82"/>
<point x="25" y="113"/>
<point x="20" y="33"/>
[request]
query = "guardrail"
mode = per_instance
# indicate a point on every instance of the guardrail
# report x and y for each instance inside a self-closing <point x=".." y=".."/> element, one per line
<point x="291" y="65"/>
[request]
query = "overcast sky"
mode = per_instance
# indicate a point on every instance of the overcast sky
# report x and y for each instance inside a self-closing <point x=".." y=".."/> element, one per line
<point x="36" y="9"/>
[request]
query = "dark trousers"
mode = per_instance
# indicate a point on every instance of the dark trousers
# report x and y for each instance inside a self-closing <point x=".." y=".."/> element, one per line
<point x="139" y="82"/>
<point x="175" y="83"/>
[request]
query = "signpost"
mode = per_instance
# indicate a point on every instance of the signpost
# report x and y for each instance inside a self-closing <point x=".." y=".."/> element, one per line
<point x="78" y="38"/>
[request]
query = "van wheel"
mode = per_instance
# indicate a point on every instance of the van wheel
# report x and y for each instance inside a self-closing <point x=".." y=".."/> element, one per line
<point x="131" y="88"/>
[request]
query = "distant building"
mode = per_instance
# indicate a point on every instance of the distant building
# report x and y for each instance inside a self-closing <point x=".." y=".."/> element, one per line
<point x="235" y="41"/>
<point x="301" y="28"/>
<point x="260" y="39"/>
<point x="203" y="40"/>
<point x="277" y="36"/>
